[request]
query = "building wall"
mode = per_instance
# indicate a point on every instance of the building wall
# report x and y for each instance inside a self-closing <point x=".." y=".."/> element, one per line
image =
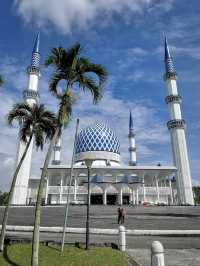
<point x="55" y="196"/>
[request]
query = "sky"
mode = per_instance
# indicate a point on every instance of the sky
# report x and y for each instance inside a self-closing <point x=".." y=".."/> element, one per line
<point x="127" y="38"/>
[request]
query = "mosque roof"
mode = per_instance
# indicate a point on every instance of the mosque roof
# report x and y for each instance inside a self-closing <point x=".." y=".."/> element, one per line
<point x="98" y="137"/>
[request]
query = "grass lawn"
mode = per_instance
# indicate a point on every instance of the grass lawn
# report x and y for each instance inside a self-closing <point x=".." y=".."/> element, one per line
<point x="20" y="254"/>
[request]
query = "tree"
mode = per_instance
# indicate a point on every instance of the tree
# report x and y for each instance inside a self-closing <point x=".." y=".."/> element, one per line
<point x="71" y="67"/>
<point x="37" y="123"/>
<point x="1" y="80"/>
<point x="3" y="198"/>
<point x="196" y="191"/>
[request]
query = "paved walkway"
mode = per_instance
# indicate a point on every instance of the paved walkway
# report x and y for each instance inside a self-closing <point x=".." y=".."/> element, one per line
<point x="106" y="217"/>
<point x="173" y="257"/>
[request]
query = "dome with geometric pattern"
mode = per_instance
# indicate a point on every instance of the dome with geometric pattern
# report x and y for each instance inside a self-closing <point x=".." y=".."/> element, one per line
<point x="98" y="141"/>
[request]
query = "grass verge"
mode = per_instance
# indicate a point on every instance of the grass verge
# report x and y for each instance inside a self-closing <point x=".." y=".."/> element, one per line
<point x="20" y="255"/>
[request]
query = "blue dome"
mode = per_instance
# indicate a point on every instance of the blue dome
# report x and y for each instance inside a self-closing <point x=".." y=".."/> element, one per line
<point x="97" y="138"/>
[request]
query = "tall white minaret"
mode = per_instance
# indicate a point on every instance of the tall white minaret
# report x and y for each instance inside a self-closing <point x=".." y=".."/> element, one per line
<point x="57" y="150"/>
<point x="176" y="127"/>
<point x="132" y="148"/>
<point x="31" y="97"/>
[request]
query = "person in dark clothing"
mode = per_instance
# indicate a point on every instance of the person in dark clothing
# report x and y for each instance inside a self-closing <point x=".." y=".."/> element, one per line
<point x="123" y="214"/>
<point x="119" y="215"/>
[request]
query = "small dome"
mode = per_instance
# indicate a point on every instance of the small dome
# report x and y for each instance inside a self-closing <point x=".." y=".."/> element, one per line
<point x="98" y="138"/>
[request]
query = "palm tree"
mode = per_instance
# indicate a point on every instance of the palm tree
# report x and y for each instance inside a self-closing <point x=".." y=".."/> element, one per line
<point x="71" y="67"/>
<point x="37" y="123"/>
<point x="1" y="81"/>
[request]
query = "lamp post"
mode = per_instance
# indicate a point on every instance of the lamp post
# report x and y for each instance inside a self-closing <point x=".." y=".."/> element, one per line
<point x="88" y="163"/>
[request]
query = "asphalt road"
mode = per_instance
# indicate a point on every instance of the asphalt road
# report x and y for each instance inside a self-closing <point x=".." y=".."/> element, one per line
<point x="106" y="216"/>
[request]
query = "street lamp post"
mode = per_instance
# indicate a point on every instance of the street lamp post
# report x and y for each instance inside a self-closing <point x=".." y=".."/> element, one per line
<point x="88" y="163"/>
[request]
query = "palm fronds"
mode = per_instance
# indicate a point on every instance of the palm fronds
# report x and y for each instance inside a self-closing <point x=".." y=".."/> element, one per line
<point x="74" y="69"/>
<point x="34" y="120"/>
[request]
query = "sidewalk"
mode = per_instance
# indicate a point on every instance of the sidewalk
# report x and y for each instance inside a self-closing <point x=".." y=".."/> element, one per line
<point x="173" y="257"/>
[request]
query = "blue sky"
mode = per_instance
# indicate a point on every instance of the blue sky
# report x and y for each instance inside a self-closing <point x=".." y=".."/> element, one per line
<point x="127" y="38"/>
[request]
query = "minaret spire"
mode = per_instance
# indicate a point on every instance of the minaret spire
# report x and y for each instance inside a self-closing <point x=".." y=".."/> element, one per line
<point x="169" y="66"/>
<point x="131" y="123"/>
<point x="176" y="127"/>
<point x="37" y="43"/>
<point x="35" y="61"/>
<point x="131" y="136"/>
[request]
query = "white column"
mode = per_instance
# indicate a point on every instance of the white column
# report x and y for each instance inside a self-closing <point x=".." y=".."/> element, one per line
<point x="104" y="197"/>
<point x="46" y="192"/>
<point x="157" y="189"/>
<point x="61" y="189"/>
<point x="137" y="196"/>
<point x="170" y="191"/>
<point x="75" y="188"/>
<point x="133" y="196"/>
<point x="144" y="191"/>
<point x="120" y="197"/>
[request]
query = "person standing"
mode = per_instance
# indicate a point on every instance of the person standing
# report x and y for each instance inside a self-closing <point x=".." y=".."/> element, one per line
<point x="123" y="214"/>
<point x="119" y="214"/>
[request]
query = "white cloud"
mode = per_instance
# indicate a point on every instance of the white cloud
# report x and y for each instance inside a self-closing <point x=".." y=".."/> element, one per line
<point x="138" y="51"/>
<point x="9" y="162"/>
<point x="137" y="75"/>
<point x="66" y="14"/>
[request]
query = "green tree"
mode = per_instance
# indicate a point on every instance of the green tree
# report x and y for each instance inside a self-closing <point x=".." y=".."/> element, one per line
<point x="196" y="191"/>
<point x="75" y="71"/>
<point x="1" y="80"/>
<point x="37" y="123"/>
<point x="3" y="198"/>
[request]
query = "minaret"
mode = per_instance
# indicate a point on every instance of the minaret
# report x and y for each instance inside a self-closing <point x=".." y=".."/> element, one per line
<point x="176" y="127"/>
<point x="132" y="148"/>
<point x="56" y="155"/>
<point x="31" y="97"/>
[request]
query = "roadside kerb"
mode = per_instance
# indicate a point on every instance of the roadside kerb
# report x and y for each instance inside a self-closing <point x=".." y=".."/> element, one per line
<point x="129" y="232"/>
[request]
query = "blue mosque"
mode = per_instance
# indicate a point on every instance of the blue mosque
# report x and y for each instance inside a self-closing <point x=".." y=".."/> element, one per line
<point x="111" y="182"/>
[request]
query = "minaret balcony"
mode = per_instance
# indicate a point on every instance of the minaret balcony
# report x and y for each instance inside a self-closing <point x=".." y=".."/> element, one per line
<point x="56" y="162"/>
<point x="31" y="94"/>
<point x="170" y="75"/>
<point x="173" y="98"/>
<point x="33" y="70"/>
<point x="131" y="149"/>
<point x="131" y="163"/>
<point x="56" y="148"/>
<point x="131" y="135"/>
<point x="176" y="123"/>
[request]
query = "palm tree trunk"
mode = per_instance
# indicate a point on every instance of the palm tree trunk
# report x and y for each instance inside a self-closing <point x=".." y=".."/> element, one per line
<point x="36" y="230"/>
<point x="68" y="190"/>
<point x="10" y="195"/>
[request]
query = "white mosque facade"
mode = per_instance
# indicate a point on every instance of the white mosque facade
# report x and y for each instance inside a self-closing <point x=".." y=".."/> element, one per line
<point x="111" y="182"/>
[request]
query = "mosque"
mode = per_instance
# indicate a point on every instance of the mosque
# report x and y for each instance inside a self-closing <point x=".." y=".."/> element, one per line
<point x="111" y="182"/>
